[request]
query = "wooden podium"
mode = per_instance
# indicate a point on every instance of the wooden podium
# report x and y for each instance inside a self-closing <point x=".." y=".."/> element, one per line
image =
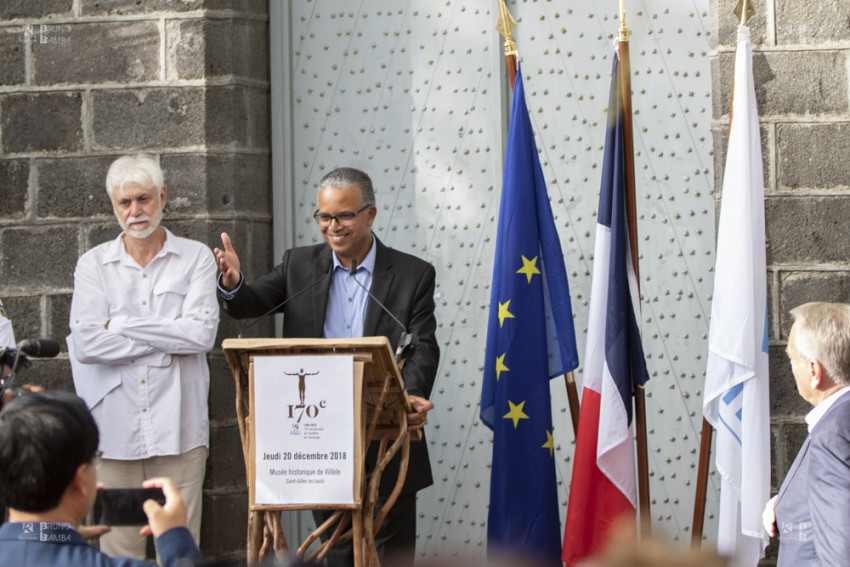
<point x="380" y="415"/>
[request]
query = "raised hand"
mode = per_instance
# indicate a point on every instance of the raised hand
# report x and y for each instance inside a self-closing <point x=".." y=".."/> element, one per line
<point x="228" y="262"/>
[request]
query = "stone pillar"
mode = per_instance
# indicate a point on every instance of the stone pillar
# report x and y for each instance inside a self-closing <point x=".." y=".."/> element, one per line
<point x="84" y="81"/>
<point x="800" y="66"/>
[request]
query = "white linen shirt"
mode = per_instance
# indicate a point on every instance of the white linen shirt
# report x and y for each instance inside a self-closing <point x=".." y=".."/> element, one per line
<point x="817" y="412"/>
<point x="162" y="321"/>
<point x="7" y="335"/>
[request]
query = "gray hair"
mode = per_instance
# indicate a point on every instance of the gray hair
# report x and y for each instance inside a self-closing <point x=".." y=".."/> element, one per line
<point x="347" y="177"/>
<point x="823" y="334"/>
<point x="141" y="169"/>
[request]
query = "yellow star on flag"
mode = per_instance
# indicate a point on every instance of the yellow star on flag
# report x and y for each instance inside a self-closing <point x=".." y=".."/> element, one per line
<point x="504" y="313"/>
<point x="550" y="443"/>
<point x="515" y="413"/>
<point x="529" y="267"/>
<point x="500" y="365"/>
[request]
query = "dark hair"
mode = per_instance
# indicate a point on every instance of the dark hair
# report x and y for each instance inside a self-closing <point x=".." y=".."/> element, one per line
<point x="44" y="438"/>
<point x="347" y="177"/>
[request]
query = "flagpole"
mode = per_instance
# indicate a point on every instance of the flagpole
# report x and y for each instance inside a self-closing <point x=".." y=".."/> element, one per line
<point x="707" y="430"/>
<point x="572" y="399"/>
<point x="631" y="213"/>
<point x="742" y="11"/>
<point x="702" y="484"/>
<point x="506" y="25"/>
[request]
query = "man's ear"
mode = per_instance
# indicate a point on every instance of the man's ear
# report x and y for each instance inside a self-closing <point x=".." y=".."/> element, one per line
<point x="78" y="497"/>
<point x="817" y="374"/>
<point x="78" y="481"/>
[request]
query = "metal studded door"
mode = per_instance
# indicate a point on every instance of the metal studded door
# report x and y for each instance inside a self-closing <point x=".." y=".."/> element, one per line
<point x="415" y="93"/>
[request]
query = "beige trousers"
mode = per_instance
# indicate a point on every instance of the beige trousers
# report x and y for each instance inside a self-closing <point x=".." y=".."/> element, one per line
<point x="186" y="470"/>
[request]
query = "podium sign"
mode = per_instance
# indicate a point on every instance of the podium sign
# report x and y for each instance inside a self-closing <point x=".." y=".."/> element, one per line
<point x="303" y="429"/>
<point x="307" y="410"/>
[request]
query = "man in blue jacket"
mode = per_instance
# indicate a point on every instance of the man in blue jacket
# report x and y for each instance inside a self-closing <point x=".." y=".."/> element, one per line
<point x="811" y="512"/>
<point x="48" y="443"/>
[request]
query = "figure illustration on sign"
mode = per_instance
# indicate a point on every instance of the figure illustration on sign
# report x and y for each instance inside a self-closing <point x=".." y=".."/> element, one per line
<point x="301" y="385"/>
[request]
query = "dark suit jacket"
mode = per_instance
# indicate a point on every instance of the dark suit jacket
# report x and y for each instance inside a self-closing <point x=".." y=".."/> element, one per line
<point x="813" y="505"/>
<point x="403" y="283"/>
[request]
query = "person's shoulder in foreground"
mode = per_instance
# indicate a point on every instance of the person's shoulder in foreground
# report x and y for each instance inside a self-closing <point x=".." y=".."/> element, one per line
<point x="24" y="544"/>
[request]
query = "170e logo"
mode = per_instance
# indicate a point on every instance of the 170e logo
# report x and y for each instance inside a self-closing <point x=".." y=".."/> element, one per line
<point x="310" y="410"/>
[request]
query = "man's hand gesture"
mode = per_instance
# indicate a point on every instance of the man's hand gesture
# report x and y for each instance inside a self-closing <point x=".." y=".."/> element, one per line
<point x="228" y="262"/>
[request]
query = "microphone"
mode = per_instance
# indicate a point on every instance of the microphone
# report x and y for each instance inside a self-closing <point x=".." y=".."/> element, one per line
<point x="285" y="301"/>
<point x="39" y="348"/>
<point x="405" y="343"/>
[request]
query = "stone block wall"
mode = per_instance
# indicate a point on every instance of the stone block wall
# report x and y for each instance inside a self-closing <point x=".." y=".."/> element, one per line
<point x="85" y="81"/>
<point x="801" y="57"/>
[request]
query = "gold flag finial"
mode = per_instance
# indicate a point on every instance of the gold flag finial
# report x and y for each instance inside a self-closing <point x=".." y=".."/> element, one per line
<point x="623" y="32"/>
<point x="506" y="25"/>
<point x="744" y="11"/>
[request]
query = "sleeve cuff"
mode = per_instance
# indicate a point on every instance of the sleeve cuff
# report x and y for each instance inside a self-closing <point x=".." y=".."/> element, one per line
<point x="228" y="295"/>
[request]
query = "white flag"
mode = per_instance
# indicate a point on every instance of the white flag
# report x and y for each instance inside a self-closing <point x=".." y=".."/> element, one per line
<point x="736" y="398"/>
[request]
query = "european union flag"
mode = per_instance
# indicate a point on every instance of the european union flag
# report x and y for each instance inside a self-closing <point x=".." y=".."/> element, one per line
<point x="530" y="339"/>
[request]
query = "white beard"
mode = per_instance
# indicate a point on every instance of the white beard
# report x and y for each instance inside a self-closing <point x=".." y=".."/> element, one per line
<point x="153" y="224"/>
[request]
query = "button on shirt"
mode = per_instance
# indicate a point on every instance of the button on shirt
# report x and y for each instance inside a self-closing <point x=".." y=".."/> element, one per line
<point x="162" y="320"/>
<point x="346" y="311"/>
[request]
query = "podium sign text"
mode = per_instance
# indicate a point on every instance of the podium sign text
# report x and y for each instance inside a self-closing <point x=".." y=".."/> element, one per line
<point x="303" y="429"/>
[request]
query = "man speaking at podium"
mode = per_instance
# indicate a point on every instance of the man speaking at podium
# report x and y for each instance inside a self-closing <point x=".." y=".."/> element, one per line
<point x="335" y="305"/>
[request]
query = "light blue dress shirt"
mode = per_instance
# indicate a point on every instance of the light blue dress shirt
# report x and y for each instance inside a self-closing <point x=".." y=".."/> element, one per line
<point x="346" y="311"/>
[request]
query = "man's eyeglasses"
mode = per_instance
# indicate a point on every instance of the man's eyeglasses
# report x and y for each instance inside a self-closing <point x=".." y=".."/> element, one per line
<point x="344" y="218"/>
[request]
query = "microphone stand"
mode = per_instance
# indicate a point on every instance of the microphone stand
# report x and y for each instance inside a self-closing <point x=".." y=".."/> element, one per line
<point x="406" y="344"/>
<point x="282" y="303"/>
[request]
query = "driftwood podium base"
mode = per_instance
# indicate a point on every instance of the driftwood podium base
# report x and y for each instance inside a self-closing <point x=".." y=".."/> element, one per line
<point x="383" y="421"/>
<point x="265" y="536"/>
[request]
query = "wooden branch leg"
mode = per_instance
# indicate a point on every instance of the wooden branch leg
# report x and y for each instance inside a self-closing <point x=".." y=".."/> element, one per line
<point x="367" y="511"/>
<point x="340" y="535"/>
<point x="404" y="438"/>
<point x="268" y="539"/>
<point x="279" y="543"/>
<point x="255" y="536"/>
<point x="357" y="544"/>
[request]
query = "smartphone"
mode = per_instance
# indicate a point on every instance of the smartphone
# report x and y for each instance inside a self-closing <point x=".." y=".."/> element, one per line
<point x="123" y="506"/>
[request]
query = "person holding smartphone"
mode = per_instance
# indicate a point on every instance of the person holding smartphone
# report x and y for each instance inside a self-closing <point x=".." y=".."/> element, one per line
<point x="48" y="480"/>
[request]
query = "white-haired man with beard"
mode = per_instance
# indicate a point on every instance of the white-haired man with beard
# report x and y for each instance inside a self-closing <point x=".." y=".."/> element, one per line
<point x="143" y="316"/>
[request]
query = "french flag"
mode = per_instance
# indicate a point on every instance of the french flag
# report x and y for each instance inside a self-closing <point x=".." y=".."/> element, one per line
<point x="603" y="487"/>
